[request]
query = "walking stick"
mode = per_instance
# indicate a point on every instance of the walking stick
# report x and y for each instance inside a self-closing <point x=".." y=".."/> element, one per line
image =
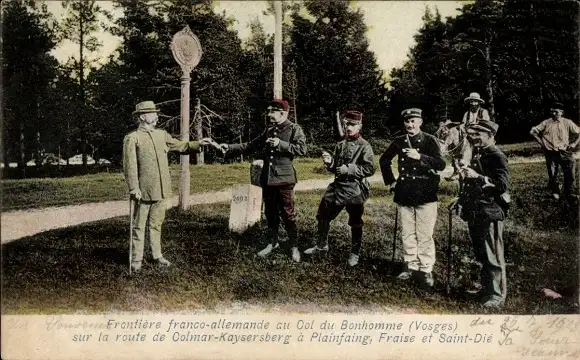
<point x="395" y="233"/>
<point x="449" y="255"/>
<point x="130" y="232"/>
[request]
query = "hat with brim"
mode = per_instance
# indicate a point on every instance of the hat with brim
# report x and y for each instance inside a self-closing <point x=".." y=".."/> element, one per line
<point x="485" y="125"/>
<point x="474" y="96"/>
<point x="352" y="117"/>
<point x="145" y="107"/>
<point x="557" y="105"/>
<point x="412" y="113"/>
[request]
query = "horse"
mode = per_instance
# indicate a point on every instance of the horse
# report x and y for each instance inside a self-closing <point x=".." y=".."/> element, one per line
<point x="453" y="141"/>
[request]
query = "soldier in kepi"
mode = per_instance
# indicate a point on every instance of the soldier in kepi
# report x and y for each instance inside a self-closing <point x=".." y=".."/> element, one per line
<point x="278" y="146"/>
<point x="352" y="163"/>
<point x="415" y="194"/>
<point x="146" y="170"/>
<point x="482" y="204"/>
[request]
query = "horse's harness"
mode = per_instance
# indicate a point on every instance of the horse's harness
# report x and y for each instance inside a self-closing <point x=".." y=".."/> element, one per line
<point x="462" y="138"/>
<point x="462" y="135"/>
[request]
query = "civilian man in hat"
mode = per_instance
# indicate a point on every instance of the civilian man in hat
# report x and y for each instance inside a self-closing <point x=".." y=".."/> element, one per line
<point x="352" y="163"/>
<point x="553" y="135"/>
<point x="415" y="193"/>
<point x="146" y="170"/>
<point x="485" y="180"/>
<point x="475" y="113"/>
<point x="278" y="145"/>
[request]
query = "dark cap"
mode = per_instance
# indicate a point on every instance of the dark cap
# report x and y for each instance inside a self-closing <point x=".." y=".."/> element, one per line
<point x="352" y="116"/>
<point x="412" y="113"/>
<point x="557" y="105"/>
<point x="279" y="104"/>
<point x="485" y="125"/>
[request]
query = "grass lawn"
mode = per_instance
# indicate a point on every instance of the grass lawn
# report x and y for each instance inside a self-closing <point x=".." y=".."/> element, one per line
<point x="38" y="193"/>
<point x="84" y="269"/>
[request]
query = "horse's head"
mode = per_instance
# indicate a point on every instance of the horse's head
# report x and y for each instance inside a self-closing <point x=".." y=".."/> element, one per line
<point x="447" y="134"/>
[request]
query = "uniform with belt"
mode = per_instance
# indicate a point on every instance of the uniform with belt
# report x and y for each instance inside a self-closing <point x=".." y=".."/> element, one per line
<point x="348" y="191"/>
<point x="415" y="193"/>
<point x="146" y="168"/>
<point x="484" y="215"/>
<point x="278" y="176"/>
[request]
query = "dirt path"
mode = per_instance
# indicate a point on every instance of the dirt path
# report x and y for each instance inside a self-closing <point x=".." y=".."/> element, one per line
<point x="22" y="223"/>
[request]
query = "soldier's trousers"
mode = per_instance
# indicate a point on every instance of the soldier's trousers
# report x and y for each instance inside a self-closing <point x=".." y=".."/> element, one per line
<point x="149" y="217"/>
<point x="417" y="224"/>
<point x="488" y="245"/>
<point x="279" y="203"/>
<point x="554" y="159"/>
<point x="328" y="211"/>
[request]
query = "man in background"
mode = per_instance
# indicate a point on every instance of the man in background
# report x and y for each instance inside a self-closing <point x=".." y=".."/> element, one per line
<point x="475" y="113"/>
<point x="553" y="135"/>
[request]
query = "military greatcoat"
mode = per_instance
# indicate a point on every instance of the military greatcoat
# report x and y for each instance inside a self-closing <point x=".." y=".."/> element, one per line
<point x="278" y="168"/>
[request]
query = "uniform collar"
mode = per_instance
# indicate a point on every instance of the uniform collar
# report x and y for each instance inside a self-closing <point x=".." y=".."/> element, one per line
<point x="417" y="136"/>
<point x="485" y="150"/>
<point x="283" y="126"/>
<point x="352" y="138"/>
<point x="145" y="130"/>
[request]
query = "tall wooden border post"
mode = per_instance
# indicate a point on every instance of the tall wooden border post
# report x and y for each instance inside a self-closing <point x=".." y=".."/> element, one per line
<point x="187" y="52"/>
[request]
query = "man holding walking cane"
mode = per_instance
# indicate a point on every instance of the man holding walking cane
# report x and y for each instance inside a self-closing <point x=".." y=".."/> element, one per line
<point x="146" y="170"/>
<point x="415" y="193"/>
<point x="482" y="203"/>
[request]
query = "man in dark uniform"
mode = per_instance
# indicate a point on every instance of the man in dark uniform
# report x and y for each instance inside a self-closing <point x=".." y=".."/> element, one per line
<point x="485" y="180"/>
<point x="352" y="163"/>
<point x="279" y="144"/>
<point x="415" y="193"/>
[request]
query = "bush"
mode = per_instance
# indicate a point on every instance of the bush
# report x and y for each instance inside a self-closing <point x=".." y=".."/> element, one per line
<point x="379" y="145"/>
<point x="315" y="150"/>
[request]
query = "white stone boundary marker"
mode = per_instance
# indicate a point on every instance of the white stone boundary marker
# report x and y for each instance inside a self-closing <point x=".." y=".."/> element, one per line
<point x="246" y="204"/>
<point x="246" y="207"/>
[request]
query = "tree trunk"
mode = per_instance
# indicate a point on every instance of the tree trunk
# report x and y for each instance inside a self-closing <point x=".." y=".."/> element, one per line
<point x="68" y="143"/>
<point x="82" y="90"/>
<point x="537" y="71"/>
<point x="199" y="129"/>
<point x="22" y="159"/>
<point x="489" y="80"/>
<point x="38" y="144"/>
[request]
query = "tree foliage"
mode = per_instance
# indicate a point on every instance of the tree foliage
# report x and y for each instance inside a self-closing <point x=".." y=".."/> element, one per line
<point x="519" y="55"/>
<point x="27" y="73"/>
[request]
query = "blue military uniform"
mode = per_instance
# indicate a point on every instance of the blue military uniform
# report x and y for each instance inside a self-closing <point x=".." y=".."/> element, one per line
<point x="415" y="194"/>
<point x="278" y="176"/>
<point x="484" y="215"/>
<point x="349" y="190"/>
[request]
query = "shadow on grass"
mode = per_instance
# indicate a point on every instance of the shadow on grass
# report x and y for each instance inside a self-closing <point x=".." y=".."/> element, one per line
<point x="85" y="268"/>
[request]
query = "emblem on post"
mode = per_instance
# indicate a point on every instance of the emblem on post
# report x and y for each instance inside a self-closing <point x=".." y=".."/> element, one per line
<point x="186" y="49"/>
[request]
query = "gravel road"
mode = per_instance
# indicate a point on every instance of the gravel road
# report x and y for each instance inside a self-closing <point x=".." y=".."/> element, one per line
<point x="22" y="223"/>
